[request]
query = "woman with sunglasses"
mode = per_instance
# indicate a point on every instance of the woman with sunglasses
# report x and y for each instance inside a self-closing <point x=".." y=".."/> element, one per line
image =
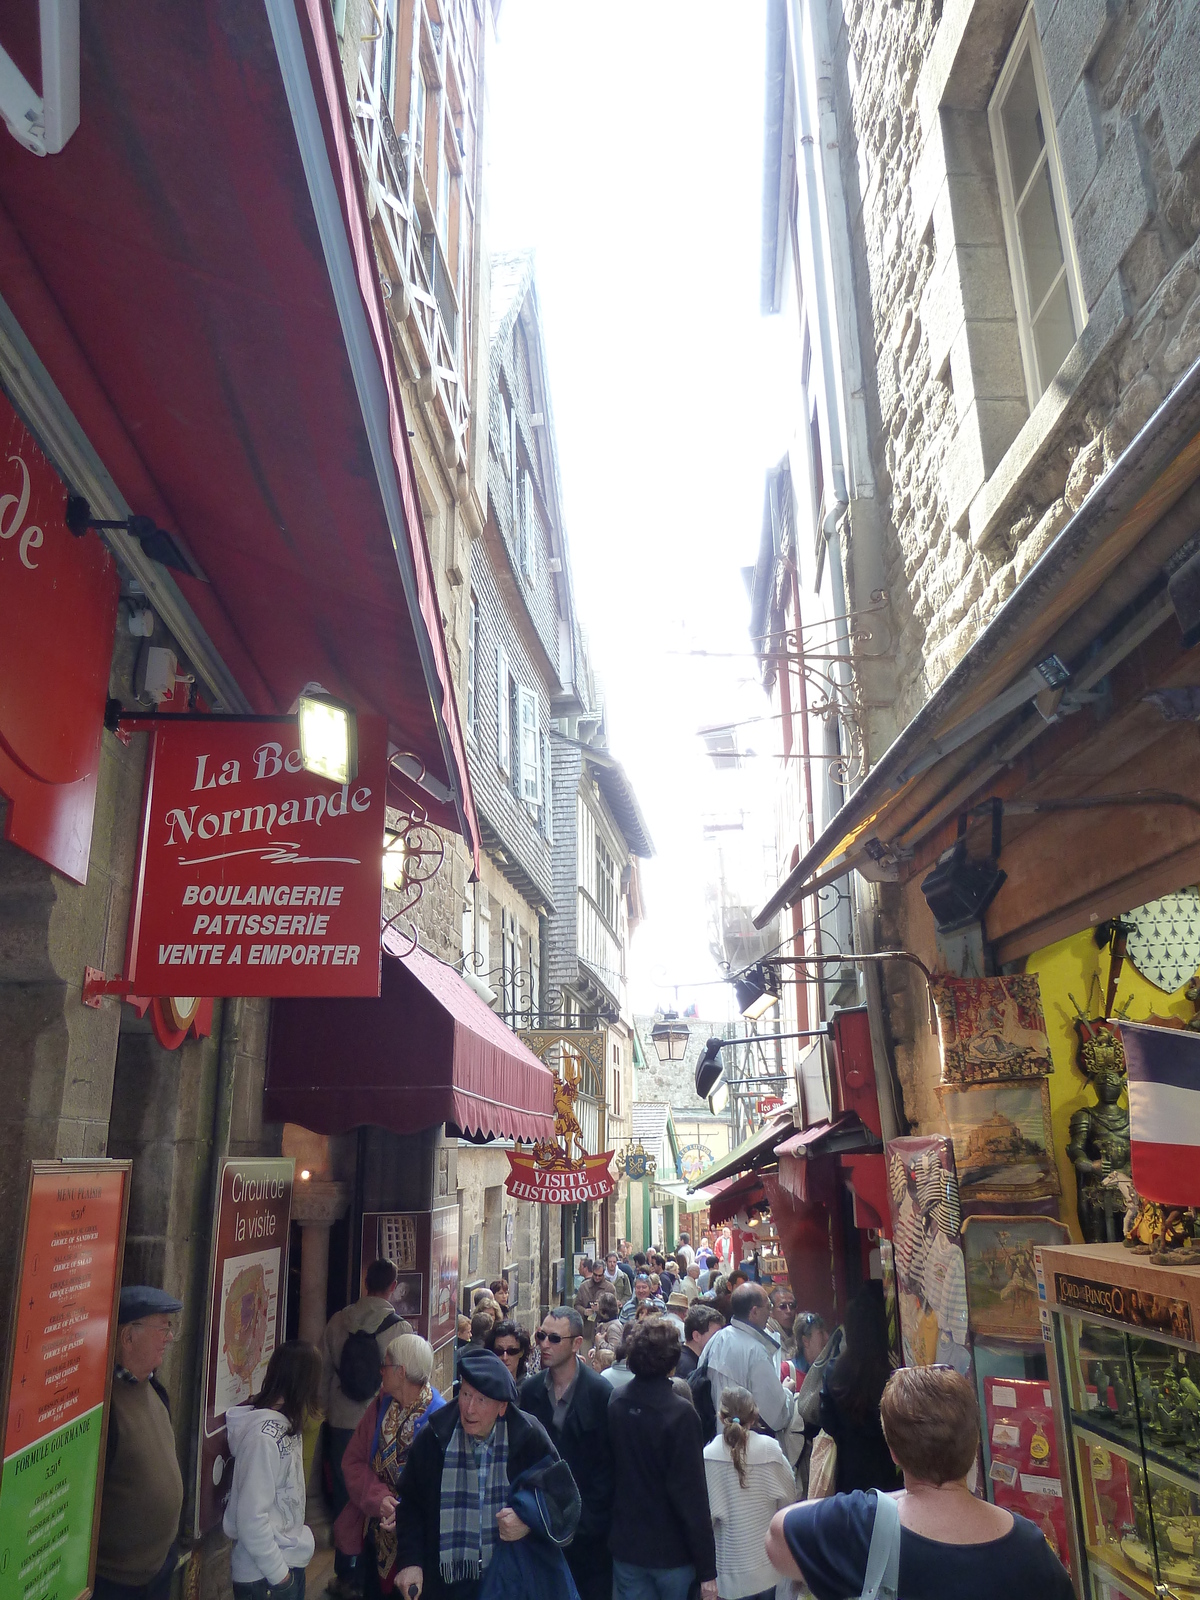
<point x="512" y="1344"/>
<point x="376" y="1455"/>
<point x="942" y="1543"/>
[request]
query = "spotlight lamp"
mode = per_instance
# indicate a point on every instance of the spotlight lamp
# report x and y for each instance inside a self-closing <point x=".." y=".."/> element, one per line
<point x="709" y="1068"/>
<point x="961" y="887"/>
<point x="757" y="991"/>
<point x="328" y="735"/>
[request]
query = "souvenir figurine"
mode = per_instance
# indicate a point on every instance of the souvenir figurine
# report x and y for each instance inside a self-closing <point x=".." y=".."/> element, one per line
<point x="1099" y="1134"/>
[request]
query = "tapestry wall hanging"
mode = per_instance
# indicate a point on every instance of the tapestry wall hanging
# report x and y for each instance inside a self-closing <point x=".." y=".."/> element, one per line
<point x="931" y="1284"/>
<point x="991" y="1030"/>
<point x="1003" y="1148"/>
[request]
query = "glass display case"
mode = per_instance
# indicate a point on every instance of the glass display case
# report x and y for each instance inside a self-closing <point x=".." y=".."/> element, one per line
<point x="1126" y="1377"/>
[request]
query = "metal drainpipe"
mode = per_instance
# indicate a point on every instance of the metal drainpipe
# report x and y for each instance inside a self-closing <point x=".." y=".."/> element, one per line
<point x="829" y="344"/>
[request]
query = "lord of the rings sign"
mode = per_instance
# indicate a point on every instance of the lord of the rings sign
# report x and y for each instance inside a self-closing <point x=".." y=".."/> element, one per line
<point x="254" y="876"/>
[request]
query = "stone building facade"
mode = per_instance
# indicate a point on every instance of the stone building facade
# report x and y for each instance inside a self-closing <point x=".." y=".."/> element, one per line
<point x="989" y="213"/>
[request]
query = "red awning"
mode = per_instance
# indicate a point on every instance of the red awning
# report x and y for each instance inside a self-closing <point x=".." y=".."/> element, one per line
<point x="738" y="1196"/>
<point x="427" y="1051"/>
<point x="195" y="273"/>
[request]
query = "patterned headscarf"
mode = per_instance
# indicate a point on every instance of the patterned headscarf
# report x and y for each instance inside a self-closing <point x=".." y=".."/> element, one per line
<point x="394" y="1437"/>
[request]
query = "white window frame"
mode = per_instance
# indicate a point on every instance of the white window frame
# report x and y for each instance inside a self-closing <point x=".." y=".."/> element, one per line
<point x="530" y="741"/>
<point x="1026" y="38"/>
<point x="512" y="457"/>
<point x="472" y="665"/>
<point x="503" y="726"/>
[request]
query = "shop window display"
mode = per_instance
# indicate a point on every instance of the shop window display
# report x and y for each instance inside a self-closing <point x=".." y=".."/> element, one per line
<point x="1130" y="1409"/>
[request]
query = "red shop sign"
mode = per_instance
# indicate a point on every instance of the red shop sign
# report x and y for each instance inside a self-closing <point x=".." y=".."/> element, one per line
<point x="58" y="609"/>
<point x="254" y="876"/>
<point x="559" y="1187"/>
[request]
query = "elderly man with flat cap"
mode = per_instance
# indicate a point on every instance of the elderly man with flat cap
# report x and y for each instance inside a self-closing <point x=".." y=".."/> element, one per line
<point x="143" y="1488"/>
<point x="454" y="1492"/>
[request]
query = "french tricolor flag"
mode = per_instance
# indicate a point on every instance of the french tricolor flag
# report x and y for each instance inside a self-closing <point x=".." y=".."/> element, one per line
<point x="1163" y="1066"/>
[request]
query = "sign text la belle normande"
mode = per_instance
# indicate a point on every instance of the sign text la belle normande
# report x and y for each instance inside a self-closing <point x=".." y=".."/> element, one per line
<point x="256" y="877"/>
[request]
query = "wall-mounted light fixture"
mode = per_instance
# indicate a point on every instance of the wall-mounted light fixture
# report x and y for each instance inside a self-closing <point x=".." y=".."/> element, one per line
<point x="670" y="1035"/>
<point x="757" y="991"/>
<point x="328" y="735"/>
<point x="709" y="1069"/>
<point x="961" y="887"/>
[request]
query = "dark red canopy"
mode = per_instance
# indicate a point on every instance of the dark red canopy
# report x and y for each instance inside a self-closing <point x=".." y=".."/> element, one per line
<point x="195" y="273"/>
<point x="429" y="1050"/>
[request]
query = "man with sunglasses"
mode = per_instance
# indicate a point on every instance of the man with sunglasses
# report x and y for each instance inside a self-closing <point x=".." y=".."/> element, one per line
<point x="782" y="1321"/>
<point x="571" y="1403"/>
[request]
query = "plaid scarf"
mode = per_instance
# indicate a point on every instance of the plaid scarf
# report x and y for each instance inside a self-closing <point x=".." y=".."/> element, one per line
<point x="469" y="1506"/>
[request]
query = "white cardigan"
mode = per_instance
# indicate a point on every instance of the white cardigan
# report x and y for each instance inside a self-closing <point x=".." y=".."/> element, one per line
<point x="741" y="1517"/>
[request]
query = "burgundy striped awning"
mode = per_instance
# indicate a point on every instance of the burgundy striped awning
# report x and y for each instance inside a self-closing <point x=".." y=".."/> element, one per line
<point x="427" y="1051"/>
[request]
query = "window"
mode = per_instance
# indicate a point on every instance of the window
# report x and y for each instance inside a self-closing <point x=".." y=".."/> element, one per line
<point x="529" y="528"/>
<point x="419" y="118"/>
<point x="1041" y="253"/>
<point x="503" y="721"/>
<point x="530" y="785"/>
<point x="387" y="54"/>
<point x="443" y="201"/>
<point x="605" y="890"/>
<point x="505" y="434"/>
<point x="512" y="460"/>
<point x="472" y="653"/>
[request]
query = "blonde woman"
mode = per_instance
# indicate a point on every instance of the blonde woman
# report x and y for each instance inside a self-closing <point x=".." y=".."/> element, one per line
<point x="749" y="1480"/>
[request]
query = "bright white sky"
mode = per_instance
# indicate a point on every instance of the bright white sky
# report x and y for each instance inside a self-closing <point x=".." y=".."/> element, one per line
<point x="625" y="146"/>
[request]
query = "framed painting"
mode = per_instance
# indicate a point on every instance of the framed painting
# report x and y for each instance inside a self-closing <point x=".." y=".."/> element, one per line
<point x="1002" y="1295"/>
<point x="1003" y="1149"/>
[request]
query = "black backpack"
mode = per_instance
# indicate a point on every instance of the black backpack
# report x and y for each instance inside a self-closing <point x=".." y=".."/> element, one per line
<point x="699" y="1382"/>
<point x="359" y="1370"/>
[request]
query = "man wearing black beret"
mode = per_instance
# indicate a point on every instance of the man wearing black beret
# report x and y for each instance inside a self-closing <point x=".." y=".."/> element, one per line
<point x="453" y="1495"/>
<point x="136" y="1551"/>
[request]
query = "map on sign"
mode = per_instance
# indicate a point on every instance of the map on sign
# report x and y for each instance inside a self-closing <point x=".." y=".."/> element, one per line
<point x="249" y="1289"/>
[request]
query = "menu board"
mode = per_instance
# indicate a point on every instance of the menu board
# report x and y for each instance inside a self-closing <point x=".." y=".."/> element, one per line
<point x="1025" y="1474"/>
<point x="245" y="1309"/>
<point x="59" y="1367"/>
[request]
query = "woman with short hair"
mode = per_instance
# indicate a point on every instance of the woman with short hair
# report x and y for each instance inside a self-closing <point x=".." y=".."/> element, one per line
<point x="950" y="1543"/>
<point x="512" y="1344"/>
<point x="376" y="1455"/>
<point x="609" y="1331"/>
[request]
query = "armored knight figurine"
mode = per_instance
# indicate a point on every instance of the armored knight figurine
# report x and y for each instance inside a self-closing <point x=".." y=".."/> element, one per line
<point x="1099" y="1142"/>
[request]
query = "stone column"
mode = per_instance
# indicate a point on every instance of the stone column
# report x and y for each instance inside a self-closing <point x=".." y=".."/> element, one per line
<point x="316" y="1205"/>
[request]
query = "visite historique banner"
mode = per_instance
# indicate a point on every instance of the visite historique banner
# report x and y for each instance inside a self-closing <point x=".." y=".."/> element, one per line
<point x="256" y="877"/>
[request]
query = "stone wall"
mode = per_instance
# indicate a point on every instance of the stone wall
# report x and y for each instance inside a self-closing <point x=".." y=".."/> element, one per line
<point x="978" y="485"/>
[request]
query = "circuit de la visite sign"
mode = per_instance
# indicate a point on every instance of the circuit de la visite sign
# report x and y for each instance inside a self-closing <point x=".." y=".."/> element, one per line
<point x="254" y="876"/>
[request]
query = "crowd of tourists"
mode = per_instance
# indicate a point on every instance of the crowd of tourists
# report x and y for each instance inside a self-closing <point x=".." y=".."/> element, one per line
<point x="680" y="1430"/>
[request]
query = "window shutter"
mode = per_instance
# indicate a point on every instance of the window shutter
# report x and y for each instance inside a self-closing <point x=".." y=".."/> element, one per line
<point x="503" y="730"/>
<point x="528" y="528"/>
<point x="530" y="751"/>
<point x="472" y="653"/>
<point x="547" y="790"/>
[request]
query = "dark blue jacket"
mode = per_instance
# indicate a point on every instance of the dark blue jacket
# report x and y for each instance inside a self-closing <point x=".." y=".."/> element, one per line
<point x="534" y="1568"/>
